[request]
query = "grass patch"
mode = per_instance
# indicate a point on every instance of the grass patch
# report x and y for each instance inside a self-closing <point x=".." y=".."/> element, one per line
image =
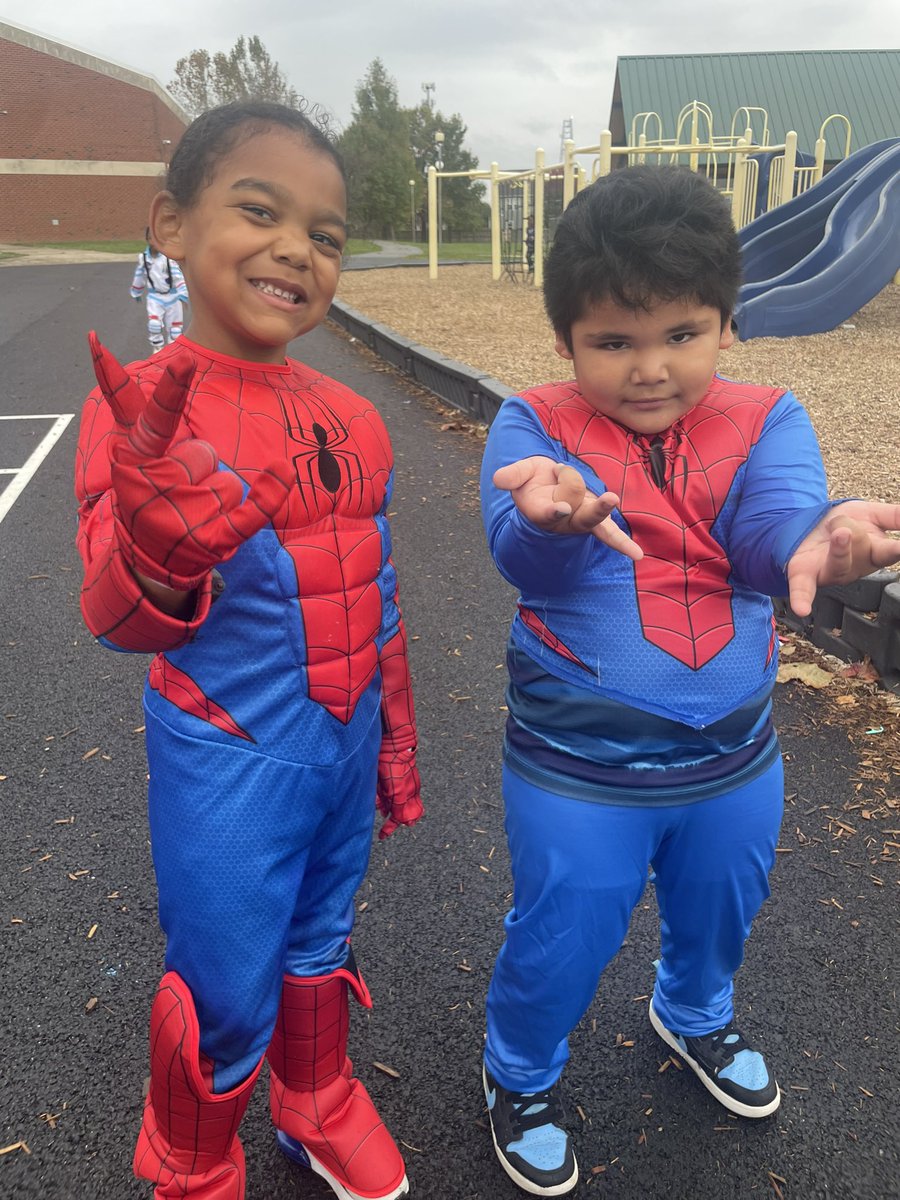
<point x="8" y="254"/>
<point x="105" y="247"/>
<point x="359" y="246"/>
<point x="470" y="251"/>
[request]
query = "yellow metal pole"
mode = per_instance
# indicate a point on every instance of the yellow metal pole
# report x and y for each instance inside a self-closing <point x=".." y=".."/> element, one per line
<point x="695" y="135"/>
<point x="538" y="218"/>
<point x="820" y="159"/>
<point x="790" y="166"/>
<point x="568" y="178"/>
<point x="496" y="269"/>
<point x="605" y="152"/>
<point x="739" y="183"/>
<point x="432" y="224"/>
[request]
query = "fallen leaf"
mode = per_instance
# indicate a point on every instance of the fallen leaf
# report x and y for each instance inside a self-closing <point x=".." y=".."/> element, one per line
<point x="386" y="1070"/>
<point x="860" y="670"/>
<point x="807" y="673"/>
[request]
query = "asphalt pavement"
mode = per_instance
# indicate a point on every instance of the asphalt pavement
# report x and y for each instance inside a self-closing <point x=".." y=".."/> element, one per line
<point x="80" y="951"/>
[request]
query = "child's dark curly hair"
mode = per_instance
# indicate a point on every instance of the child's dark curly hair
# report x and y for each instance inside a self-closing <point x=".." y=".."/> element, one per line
<point x="639" y="236"/>
<point x="216" y="133"/>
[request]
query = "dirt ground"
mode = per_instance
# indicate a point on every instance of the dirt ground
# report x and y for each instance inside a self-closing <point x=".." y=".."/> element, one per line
<point x="847" y="379"/>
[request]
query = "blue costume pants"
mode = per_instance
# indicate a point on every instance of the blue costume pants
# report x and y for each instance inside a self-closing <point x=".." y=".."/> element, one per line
<point x="257" y="862"/>
<point x="579" y="870"/>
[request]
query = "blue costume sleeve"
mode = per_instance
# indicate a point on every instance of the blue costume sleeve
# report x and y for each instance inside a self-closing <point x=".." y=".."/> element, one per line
<point x="139" y="280"/>
<point x="179" y="284"/>
<point x="532" y="559"/>
<point x="783" y="497"/>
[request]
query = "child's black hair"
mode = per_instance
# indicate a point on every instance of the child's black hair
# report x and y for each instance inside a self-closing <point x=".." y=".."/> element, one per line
<point x="216" y="133"/>
<point x="640" y="236"/>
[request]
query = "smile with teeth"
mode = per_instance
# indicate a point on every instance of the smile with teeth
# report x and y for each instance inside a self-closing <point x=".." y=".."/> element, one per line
<point x="270" y="289"/>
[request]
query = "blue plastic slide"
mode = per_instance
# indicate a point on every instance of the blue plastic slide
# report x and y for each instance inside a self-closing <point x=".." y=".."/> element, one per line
<point x="815" y="261"/>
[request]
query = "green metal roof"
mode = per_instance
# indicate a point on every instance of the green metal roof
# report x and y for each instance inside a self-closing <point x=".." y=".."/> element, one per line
<point x="798" y="89"/>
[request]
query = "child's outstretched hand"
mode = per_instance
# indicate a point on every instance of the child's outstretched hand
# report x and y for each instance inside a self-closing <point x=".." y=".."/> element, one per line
<point x="177" y="515"/>
<point x="554" y="497"/>
<point x="849" y="542"/>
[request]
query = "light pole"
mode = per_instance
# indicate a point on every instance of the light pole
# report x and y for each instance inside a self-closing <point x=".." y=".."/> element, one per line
<point x="412" y="208"/>
<point x="439" y="166"/>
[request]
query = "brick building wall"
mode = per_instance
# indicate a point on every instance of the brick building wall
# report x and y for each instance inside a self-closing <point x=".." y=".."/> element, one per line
<point x="87" y="208"/>
<point x="82" y="142"/>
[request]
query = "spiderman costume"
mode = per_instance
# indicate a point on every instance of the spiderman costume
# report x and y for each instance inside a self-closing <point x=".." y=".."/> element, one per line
<point x="639" y="725"/>
<point x="275" y="716"/>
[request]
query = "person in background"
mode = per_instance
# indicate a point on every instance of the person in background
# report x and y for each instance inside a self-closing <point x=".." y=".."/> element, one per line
<point x="161" y="281"/>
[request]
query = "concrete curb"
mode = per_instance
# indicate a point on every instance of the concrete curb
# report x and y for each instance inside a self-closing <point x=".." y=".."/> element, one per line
<point x="859" y="620"/>
<point x="479" y="396"/>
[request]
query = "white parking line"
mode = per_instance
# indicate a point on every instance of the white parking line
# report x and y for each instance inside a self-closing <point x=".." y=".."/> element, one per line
<point x="22" y="475"/>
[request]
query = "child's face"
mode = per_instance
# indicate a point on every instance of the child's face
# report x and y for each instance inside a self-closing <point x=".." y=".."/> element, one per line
<point x="262" y="246"/>
<point x="646" y="369"/>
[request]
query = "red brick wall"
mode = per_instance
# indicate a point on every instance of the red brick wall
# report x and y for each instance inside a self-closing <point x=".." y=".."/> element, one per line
<point x="60" y="110"/>
<point x="88" y="208"/>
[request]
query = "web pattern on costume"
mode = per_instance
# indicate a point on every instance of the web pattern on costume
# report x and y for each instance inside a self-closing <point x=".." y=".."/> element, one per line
<point x="342" y="459"/>
<point x="672" y="493"/>
<point x="188" y="1134"/>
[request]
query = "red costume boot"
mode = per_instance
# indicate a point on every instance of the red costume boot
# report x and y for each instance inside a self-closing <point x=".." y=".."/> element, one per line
<point x="188" y="1144"/>
<point x="324" y="1117"/>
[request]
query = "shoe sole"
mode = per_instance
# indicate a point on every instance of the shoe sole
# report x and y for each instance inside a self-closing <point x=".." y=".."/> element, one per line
<point x="298" y="1153"/>
<point x="527" y="1185"/>
<point x="734" y="1106"/>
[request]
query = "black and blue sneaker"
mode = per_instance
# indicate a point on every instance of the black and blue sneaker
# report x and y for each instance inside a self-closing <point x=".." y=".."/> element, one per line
<point x="727" y="1066"/>
<point x="534" y="1149"/>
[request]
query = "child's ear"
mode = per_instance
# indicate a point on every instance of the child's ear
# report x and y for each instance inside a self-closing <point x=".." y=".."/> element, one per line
<point x="165" y="225"/>
<point x="726" y="341"/>
<point x="562" y="348"/>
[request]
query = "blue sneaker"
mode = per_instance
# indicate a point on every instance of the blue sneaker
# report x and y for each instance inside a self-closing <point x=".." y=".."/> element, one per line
<point x="533" y="1148"/>
<point x="727" y="1066"/>
<point x="292" y="1149"/>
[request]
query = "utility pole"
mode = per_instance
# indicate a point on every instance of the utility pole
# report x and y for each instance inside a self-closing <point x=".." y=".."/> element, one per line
<point x="428" y="89"/>
<point x="568" y="126"/>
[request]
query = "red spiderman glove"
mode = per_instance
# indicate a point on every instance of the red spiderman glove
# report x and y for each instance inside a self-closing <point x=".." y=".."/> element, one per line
<point x="399" y="788"/>
<point x="176" y="514"/>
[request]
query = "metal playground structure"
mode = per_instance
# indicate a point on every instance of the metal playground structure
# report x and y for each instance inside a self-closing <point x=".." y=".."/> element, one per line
<point x="755" y="174"/>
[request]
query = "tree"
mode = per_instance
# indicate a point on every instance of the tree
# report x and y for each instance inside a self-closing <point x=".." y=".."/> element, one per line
<point x="385" y="146"/>
<point x="376" y="151"/>
<point x="246" y="72"/>
<point x="463" y="209"/>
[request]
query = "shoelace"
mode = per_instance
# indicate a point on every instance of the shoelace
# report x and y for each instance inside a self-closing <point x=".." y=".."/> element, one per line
<point x="547" y="1104"/>
<point x="717" y="1047"/>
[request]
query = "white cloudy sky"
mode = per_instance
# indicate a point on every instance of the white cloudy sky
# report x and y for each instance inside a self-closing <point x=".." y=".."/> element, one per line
<point x="513" y="69"/>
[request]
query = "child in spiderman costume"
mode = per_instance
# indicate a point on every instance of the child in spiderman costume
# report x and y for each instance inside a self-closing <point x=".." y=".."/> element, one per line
<point x="233" y="522"/>
<point x="646" y="511"/>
